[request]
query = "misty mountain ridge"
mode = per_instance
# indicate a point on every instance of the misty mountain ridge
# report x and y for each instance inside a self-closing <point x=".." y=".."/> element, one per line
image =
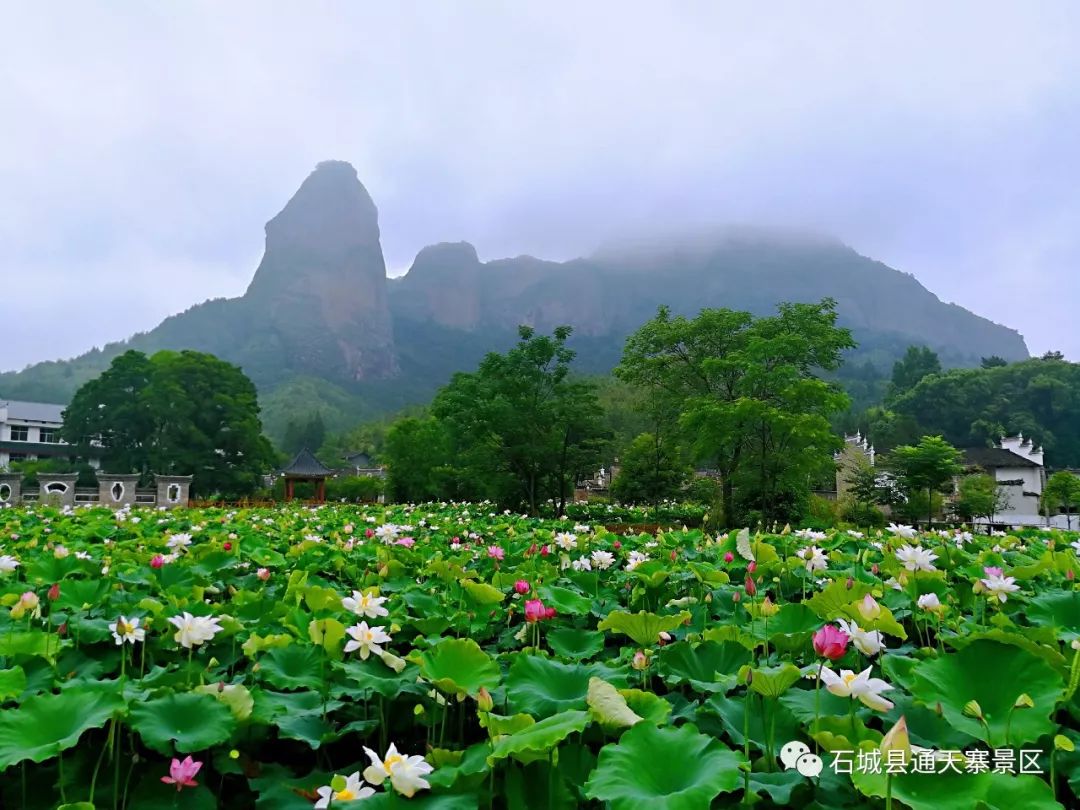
<point x="321" y="327"/>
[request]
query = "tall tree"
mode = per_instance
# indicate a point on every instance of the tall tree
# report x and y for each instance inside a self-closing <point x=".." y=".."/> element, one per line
<point x="522" y="426"/>
<point x="650" y="470"/>
<point x="417" y="452"/>
<point x="927" y="467"/>
<point x="918" y="362"/>
<point x="751" y="402"/>
<point x="1062" y="491"/>
<point x="979" y="496"/>
<point x="185" y="413"/>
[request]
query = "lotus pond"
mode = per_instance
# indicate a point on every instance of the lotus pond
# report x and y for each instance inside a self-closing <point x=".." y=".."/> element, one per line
<point x="447" y="656"/>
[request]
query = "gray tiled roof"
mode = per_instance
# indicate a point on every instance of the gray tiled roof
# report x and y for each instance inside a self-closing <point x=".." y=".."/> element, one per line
<point x="993" y="457"/>
<point x="33" y="411"/>
<point x="305" y="464"/>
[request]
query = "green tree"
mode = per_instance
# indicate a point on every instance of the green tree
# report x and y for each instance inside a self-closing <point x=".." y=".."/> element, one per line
<point x="184" y="413"/>
<point x="650" y="470"/>
<point x="918" y="362"/>
<point x="993" y="361"/>
<point x="522" y="428"/>
<point x="865" y="490"/>
<point x="1062" y="491"/>
<point x="979" y="496"/>
<point x="926" y="468"/>
<point x="416" y="450"/>
<point x="747" y="389"/>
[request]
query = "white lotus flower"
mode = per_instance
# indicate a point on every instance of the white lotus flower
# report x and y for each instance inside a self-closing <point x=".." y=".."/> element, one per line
<point x="566" y="541"/>
<point x="901" y="530"/>
<point x="387" y="532"/>
<point x="855" y="534"/>
<point x="930" y="601"/>
<point x="127" y="630"/>
<point x="8" y="563"/>
<point x="179" y="541"/>
<point x="365" y="604"/>
<point x="998" y="586"/>
<point x="858" y="687"/>
<point x="915" y="558"/>
<point x="868" y="642"/>
<point x="366" y="640"/>
<point x="354" y="790"/>
<point x="582" y="564"/>
<point x="814" y="558"/>
<point x="634" y="559"/>
<point x="602" y="559"/>
<point x="406" y="773"/>
<point x="1075" y="544"/>
<point x="191" y="631"/>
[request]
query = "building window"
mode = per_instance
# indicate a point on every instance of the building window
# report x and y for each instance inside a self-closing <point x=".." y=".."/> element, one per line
<point x="56" y="488"/>
<point x="5" y="493"/>
<point x="20" y="433"/>
<point x="17" y="457"/>
<point x="49" y="436"/>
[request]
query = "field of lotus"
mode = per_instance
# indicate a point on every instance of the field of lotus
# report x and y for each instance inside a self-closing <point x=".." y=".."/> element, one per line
<point x="448" y="656"/>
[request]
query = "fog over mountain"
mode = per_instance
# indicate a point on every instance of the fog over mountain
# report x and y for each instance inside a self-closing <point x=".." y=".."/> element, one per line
<point x="145" y="146"/>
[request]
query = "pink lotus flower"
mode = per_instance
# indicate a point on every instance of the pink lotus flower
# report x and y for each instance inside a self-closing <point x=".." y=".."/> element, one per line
<point x="369" y="532"/>
<point x="522" y="587"/>
<point x="534" y="610"/>
<point x="616" y="545"/>
<point x="408" y="542"/>
<point x="729" y="557"/>
<point x="752" y="566"/>
<point x="549" y="613"/>
<point x="751" y="588"/>
<point x="992" y="571"/>
<point x="157" y="561"/>
<point x="830" y="642"/>
<point x="735" y="597"/>
<point x="496" y="553"/>
<point x="544" y="551"/>
<point x="54" y="592"/>
<point x="182" y="773"/>
<point x="263" y="574"/>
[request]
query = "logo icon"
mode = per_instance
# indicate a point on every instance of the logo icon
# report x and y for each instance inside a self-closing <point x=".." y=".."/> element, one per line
<point x="797" y="755"/>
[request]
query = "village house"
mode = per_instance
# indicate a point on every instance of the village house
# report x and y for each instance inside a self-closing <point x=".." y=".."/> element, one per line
<point x="30" y="431"/>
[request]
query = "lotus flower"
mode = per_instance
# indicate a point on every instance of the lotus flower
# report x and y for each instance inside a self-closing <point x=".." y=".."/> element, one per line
<point x="869" y="609"/>
<point x="365" y="604"/>
<point x="8" y="563"/>
<point x="998" y="587"/>
<point x="406" y="773"/>
<point x="191" y="631"/>
<point x="127" y="630"/>
<point x="353" y="790"/>
<point x="182" y="773"/>
<point x="867" y="642"/>
<point x="534" y="610"/>
<point x="862" y="687"/>
<point x="366" y="639"/>
<point x="930" y="601"/>
<point x="915" y="558"/>
<point x="830" y="643"/>
<point x="522" y="586"/>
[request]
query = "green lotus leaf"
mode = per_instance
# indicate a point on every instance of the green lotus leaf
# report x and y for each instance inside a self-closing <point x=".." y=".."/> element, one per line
<point x="708" y="574"/>
<point x="609" y="707"/>
<point x="298" y="666"/>
<point x="1044" y="648"/>
<point x="652" y="574"/>
<point x="540" y="737"/>
<point x="12" y="682"/>
<point x="328" y="634"/>
<point x="470" y="762"/>
<point x="29" y="642"/>
<point x="575" y="644"/>
<point x="960" y="791"/>
<point x="317" y="598"/>
<point x="830" y="602"/>
<point x="1060" y="610"/>
<point x="481" y="593"/>
<point x="644" y="628"/>
<point x="649" y="706"/>
<point x="729" y="632"/>
<point x="708" y="667"/>
<point x="373" y="674"/>
<point x="772" y="682"/>
<point x="81" y="594"/>
<point x="312" y="728"/>
<point x="458" y="666"/>
<point x="44" y="725"/>
<point x="885" y="622"/>
<point x="257" y="644"/>
<point x="271" y="705"/>
<point x="498" y="725"/>
<point x="732" y="714"/>
<point x="76" y="806"/>
<point x="564" y="600"/>
<point x="664" y="769"/>
<point x="994" y="675"/>
<point x="542" y="687"/>
<point x="191" y="720"/>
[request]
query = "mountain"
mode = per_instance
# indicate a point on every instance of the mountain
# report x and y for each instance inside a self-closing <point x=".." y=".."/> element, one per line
<point x="321" y="328"/>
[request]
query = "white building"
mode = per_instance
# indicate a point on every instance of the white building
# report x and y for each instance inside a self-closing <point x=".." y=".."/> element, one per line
<point x="31" y="431"/>
<point x="1019" y="469"/>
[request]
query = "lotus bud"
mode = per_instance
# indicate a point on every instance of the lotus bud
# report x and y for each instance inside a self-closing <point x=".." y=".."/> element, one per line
<point x="1024" y="702"/>
<point x="787" y="529"/>
<point x="831" y="642"/>
<point x="708" y="599"/>
<point x="751" y="588"/>
<point x="768" y="608"/>
<point x="522" y="586"/>
<point x="874" y="569"/>
<point x="973" y="709"/>
<point x="735" y="597"/>
<point x="978" y="587"/>
<point x="897" y="739"/>
<point x="869" y="609"/>
<point x="227" y="546"/>
<point x="616" y="545"/>
<point x="54" y="592"/>
<point x="1070" y="575"/>
<point x="674" y="555"/>
<point x="157" y="561"/>
<point x="640" y="661"/>
<point x="729" y="557"/>
<point x="850" y="583"/>
<point x="484" y="700"/>
<point x="752" y="566"/>
<point x="663" y="638"/>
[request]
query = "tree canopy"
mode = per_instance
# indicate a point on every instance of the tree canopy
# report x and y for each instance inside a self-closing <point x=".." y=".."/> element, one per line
<point x="184" y="413"/>
<point x="748" y="395"/>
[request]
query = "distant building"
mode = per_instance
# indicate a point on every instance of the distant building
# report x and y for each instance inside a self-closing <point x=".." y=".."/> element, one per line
<point x="30" y="431"/>
<point x="362" y="464"/>
<point x="598" y="485"/>
<point x="857" y="450"/>
<point x="1019" y="469"/>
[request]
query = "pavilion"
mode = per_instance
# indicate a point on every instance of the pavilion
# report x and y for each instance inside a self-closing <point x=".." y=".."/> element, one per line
<point x="305" y="467"/>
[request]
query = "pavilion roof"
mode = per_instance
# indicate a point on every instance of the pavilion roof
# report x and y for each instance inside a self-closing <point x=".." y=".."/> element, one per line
<point x="305" y="465"/>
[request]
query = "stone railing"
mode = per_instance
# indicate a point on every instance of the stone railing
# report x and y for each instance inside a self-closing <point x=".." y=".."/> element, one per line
<point x="117" y="491"/>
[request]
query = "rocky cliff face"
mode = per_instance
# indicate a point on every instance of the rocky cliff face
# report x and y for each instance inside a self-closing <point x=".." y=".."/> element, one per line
<point x="321" y="285"/>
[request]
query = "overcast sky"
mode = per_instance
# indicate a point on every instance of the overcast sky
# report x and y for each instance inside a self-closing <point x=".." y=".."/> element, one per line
<point x="144" y="145"/>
